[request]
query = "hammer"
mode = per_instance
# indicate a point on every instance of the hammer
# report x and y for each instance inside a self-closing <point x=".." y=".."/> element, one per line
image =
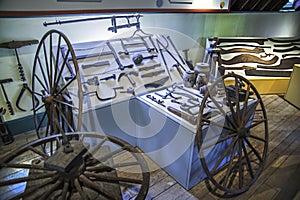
<point x="138" y="58"/>
<point x="128" y="75"/>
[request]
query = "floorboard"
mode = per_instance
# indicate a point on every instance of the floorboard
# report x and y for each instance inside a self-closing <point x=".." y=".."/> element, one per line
<point x="279" y="180"/>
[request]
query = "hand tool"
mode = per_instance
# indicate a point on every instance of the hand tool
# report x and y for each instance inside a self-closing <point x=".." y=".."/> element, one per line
<point x="175" y="49"/>
<point x="109" y="98"/>
<point x="138" y="58"/>
<point x="126" y="52"/>
<point x="130" y="90"/>
<point x="287" y="63"/>
<point x="128" y="75"/>
<point x="92" y="81"/>
<point x="23" y="90"/>
<point x="96" y="64"/>
<point x="269" y="73"/>
<point x="113" y="76"/>
<point x="237" y="50"/>
<point x="6" y="137"/>
<point x="9" y="105"/>
<point x="189" y="91"/>
<point x="294" y="48"/>
<point x="243" y="40"/>
<point x="168" y="93"/>
<point x="15" y="45"/>
<point x="243" y="45"/>
<point x="158" y="83"/>
<point x="248" y="58"/>
<point x="121" y="67"/>
<point x="158" y="101"/>
<point x="183" y="115"/>
<point x="150" y="67"/>
<point x="237" y="67"/>
<point x="290" y="54"/>
<point x="284" y="40"/>
<point x="151" y="74"/>
<point x="287" y="45"/>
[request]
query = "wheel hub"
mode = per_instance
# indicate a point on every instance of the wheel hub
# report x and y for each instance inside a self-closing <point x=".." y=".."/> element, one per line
<point x="243" y="132"/>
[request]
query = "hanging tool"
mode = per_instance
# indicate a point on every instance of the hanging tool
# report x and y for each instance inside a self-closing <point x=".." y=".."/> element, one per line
<point x="248" y="58"/>
<point x="9" y="105"/>
<point x="128" y="75"/>
<point x="109" y="98"/>
<point x="138" y="58"/>
<point x="92" y="81"/>
<point x="15" y="45"/>
<point x="23" y="90"/>
<point x="121" y="67"/>
<point x="150" y="67"/>
<point x="6" y="137"/>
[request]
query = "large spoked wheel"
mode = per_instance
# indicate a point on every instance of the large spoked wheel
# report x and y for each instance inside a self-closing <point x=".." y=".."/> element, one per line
<point x="56" y="83"/>
<point x="100" y="167"/>
<point x="232" y="144"/>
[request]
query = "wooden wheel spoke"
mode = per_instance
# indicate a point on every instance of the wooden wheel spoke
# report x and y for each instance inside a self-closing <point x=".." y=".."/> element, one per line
<point x="258" y="138"/>
<point x="237" y="99"/>
<point x="245" y="105"/>
<point x="46" y="88"/>
<point x="205" y="145"/>
<point x="65" y="190"/>
<point x="24" y="166"/>
<point x="41" y="121"/>
<point x="65" y="120"/>
<point x="248" y="160"/>
<point x="218" y="124"/>
<point x="224" y="181"/>
<point x="254" y="150"/>
<point x="50" y="190"/>
<point x="80" y="190"/>
<point x="26" y="179"/>
<point x="112" y="179"/>
<point x="41" y="67"/>
<point x="34" y="188"/>
<point x="65" y="103"/>
<point x="240" y="160"/>
<point x="97" y="187"/>
<point x="43" y="74"/>
<point x="111" y="154"/>
<point x="223" y="112"/>
<point x="57" y="79"/>
<point x="256" y="123"/>
<point x="64" y="87"/>
<point x="231" y="106"/>
<point x="251" y="112"/>
<point x="51" y="63"/>
<point x="47" y="63"/>
<point x="223" y="155"/>
<point x="38" y="152"/>
<point x="56" y="60"/>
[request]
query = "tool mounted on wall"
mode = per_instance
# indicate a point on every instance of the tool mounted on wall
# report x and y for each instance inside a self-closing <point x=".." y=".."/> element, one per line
<point x="113" y="19"/>
<point x="9" y="105"/>
<point x="15" y="45"/>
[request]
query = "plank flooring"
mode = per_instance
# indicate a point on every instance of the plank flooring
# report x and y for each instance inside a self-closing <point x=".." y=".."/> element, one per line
<point x="279" y="180"/>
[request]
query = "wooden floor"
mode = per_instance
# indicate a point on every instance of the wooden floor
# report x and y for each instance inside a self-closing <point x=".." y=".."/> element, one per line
<point x="279" y="180"/>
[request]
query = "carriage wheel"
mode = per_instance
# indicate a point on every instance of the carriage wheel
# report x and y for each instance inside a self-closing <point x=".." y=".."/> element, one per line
<point x="233" y="144"/>
<point x="100" y="167"/>
<point x="57" y="83"/>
